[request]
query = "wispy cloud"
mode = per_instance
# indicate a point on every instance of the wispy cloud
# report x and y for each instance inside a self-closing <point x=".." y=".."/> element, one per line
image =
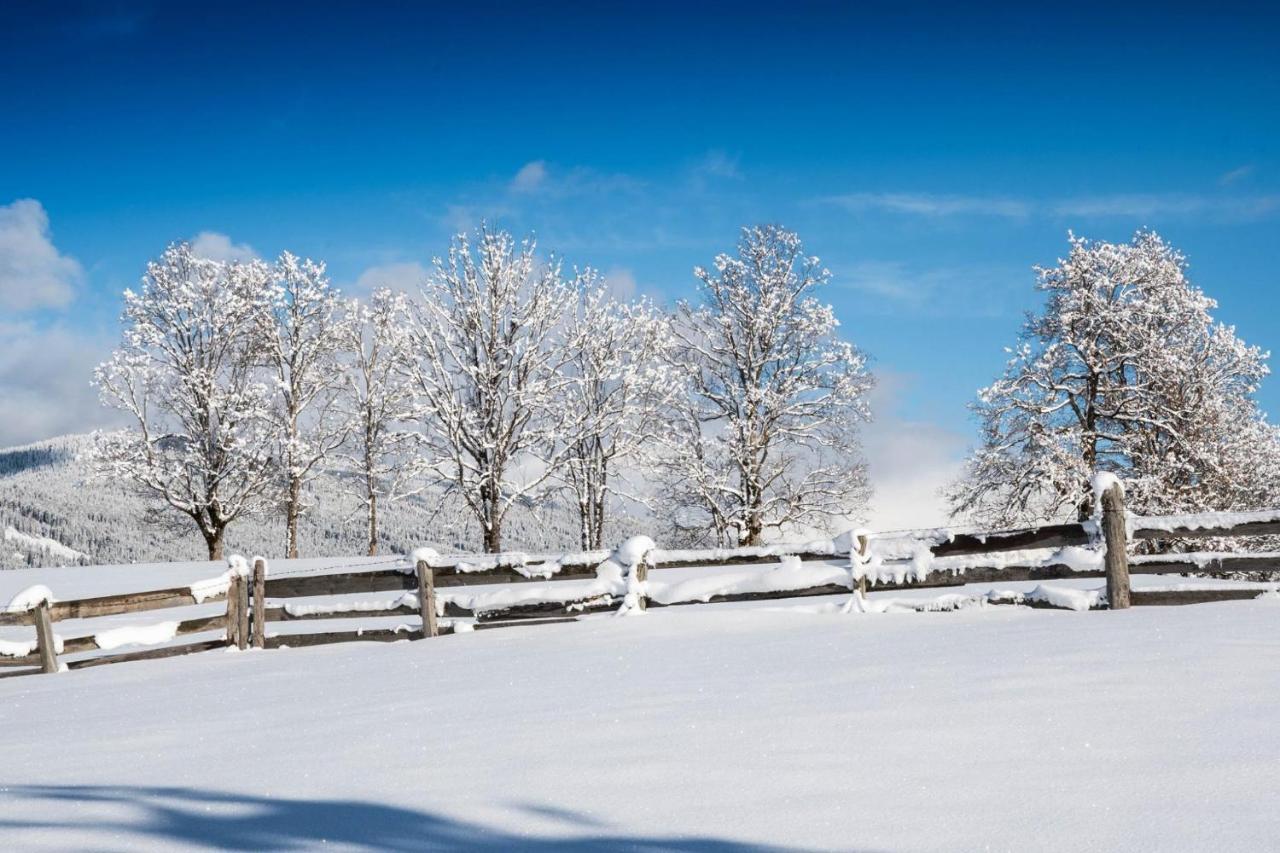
<point x="531" y="176"/>
<point x="1175" y="205"/>
<point x="931" y="204"/>
<point x="1229" y="178"/>
<point x="717" y="164"/>
<point x="1144" y="206"/>
<point x="962" y="291"/>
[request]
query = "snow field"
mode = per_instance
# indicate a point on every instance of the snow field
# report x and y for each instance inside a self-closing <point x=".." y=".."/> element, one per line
<point x="707" y="728"/>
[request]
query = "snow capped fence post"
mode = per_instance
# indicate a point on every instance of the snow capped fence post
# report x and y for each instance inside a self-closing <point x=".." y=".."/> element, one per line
<point x="259" y="603"/>
<point x="427" y="599"/>
<point x="45" y="642"/>
<point x="1116" y="538"/>
<point x="864" y="542"/>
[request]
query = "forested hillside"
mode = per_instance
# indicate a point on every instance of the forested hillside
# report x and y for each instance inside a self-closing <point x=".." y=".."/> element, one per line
<point x="52" y="514"/>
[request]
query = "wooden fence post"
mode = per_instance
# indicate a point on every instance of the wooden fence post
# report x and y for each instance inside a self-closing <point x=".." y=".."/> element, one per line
<point x="1116" y="538"/>
<point x="642" y="577"/>
<point x="233" y="611"/>
<point x="45" y="642"/>
<point x="427" y="599"/>
<point x="864" y="542"/>
<point x="259" y="603"/>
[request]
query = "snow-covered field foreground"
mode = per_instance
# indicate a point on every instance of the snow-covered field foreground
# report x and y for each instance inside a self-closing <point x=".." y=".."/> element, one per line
<point x="713" y="728"/>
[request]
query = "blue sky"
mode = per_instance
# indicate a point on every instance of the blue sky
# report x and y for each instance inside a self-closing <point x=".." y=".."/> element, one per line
<point x="930" y="155"/>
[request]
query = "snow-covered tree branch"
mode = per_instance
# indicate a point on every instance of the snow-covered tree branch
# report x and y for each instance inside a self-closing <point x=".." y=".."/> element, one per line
<point x="488" y="371"/>
<point x="185" y="372"/>
<point x="377" y="402"/>
<point x="766" y="437"/>
<point x="301" y="336"/>
<point x="619" y="380"/>
<point x="1126" y="371"/>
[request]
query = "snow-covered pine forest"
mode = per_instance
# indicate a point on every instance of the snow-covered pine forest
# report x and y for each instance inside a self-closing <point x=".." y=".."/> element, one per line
<point x="513" y="401"/>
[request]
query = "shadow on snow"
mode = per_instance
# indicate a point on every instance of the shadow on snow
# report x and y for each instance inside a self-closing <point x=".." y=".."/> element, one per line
<point x="171" y="816"/>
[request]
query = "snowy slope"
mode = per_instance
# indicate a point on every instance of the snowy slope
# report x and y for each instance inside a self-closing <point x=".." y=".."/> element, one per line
<point x="60" y="517"/>
<point x="710" y="728"/>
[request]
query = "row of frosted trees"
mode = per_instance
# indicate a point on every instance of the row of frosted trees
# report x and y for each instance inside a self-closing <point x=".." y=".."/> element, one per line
<point x="506" y="380"/>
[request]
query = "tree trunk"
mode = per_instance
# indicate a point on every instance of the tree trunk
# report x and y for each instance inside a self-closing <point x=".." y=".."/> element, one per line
<point x="213" y="539"/>
<point x="372" y="498"/>
<point x="493" y="538"/>
<point x="597" y="521"/>
<point x="291" y="513"/>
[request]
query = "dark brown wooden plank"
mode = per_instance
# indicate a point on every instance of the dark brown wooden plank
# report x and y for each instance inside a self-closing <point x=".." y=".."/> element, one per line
<point x="24" y="617"/>
<point x="663" y="560"/>
<point x="280" y="613"/>
<point x="200" y="625"/>
<point x="1176" y="564"/>
<point x="1192" y="596"/>
<point x="374" y="635"/>
<point x="340" y="583"/>
<point x="1252" y="528"/>
<point x="148" y="654"/>
<point x="1046" y="536"/>
<point x="25" y="660"/>
<point x="18" y="673"/>
<point x="131" y="602"/>
<point x="522" y="623"/>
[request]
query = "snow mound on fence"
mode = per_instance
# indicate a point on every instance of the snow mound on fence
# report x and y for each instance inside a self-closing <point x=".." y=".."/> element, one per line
<point x="136" y="635"/>
<point x="30" y="598"/>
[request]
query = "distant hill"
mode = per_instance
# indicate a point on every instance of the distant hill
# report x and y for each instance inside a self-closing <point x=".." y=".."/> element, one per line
<point x="51" y="513"/>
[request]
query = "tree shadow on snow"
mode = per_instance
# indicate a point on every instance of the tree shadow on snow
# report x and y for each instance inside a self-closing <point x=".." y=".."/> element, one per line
<point x="169" y="816"/>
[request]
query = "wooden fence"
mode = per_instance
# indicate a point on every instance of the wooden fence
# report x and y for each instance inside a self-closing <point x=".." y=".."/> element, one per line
<point x="254" y="599"/>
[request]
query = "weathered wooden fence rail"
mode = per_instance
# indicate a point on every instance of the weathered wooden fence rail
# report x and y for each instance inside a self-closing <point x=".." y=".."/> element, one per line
<point x="432" y="587"/>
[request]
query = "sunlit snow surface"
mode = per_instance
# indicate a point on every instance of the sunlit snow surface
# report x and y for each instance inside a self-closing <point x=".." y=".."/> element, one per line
<point x="712" y="728"/>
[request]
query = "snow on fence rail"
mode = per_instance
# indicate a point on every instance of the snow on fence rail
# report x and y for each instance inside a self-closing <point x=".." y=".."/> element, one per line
<point x="436" y="598"/>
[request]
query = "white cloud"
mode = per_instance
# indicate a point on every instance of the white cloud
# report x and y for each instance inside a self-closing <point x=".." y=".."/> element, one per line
<point x="911" y="461"/>
<point x="531" y="176"/>
<point x="44" y="382"/>
<point x="406" y="277"/>
<point x="218" y="247"/>
<point x="930" y="204"/>
<point x="33" y="273"/>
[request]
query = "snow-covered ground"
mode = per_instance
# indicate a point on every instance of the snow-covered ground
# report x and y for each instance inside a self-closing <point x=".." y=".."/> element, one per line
<point x="705" y="728"/>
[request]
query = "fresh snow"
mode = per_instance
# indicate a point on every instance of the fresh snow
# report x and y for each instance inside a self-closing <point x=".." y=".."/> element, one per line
<point x="1202" y="520"/>
<point x="136" y="635"/>
<point x="718" y="728"/>
<point x="1101" y="482"/>
<point x="29" y="598"/>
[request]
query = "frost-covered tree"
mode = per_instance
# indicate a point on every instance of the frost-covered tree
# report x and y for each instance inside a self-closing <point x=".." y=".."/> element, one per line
<point x="487" y="372"/>
<point x="381" y="454"/>
<point x="1126" y="371"/>
<point x="301" y="337"/>
<point x="619" y="380"/>
<point x="766" y="437"/>
<point x="200" y="444"/>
